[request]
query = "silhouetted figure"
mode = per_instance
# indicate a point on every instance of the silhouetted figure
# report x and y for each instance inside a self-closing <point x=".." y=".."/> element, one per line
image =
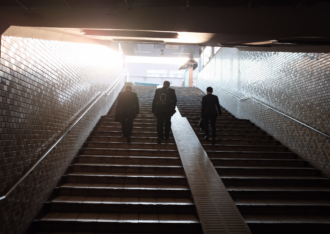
<point x="126" y="111"/>
<point x="163" y="107"/>
<point x="210" y="110"/>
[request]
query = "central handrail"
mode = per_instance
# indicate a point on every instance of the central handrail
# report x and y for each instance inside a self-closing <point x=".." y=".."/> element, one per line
<point x="62" y="136"/>
<point x="277" y="111"/>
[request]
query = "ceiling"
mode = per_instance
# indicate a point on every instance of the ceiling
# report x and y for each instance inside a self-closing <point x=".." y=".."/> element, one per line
<point x="141" y="25"/>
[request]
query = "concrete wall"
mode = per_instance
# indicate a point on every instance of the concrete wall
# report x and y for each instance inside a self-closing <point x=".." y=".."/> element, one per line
<point x="296" y="84"/>
<point x="43" y="84"/>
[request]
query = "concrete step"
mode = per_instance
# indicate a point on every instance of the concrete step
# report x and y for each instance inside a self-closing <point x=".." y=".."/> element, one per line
<point x="129" y="160"/>
<point x="131" y="152"/>
<point x="121" y="222"/>
<point x="123" y="168"/>
<point x="133" y="145"/>
<point x="272" y="192"/>
<point x="288" y="224"/>
<point x="133" y="139"/>
<point x="275" y="181"/>
<point x="122" y="205"/>
<point x="264" y="148"/>
<point x="258" y="162"/>
<point x="127" y="178"/>
<point x="265" y="171"/>
<point x="126" y="190"/>
<point x="251" y="154"/>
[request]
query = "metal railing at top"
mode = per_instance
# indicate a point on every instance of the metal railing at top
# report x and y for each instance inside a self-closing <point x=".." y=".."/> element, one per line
<point x="277" y="111"/>
<point x="62" y="136"/>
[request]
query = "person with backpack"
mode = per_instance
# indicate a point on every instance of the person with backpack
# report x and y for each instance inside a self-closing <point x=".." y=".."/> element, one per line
<point x="126" y="111"/>
<point x="163" y="107"/>
<point x="210" y="110"/>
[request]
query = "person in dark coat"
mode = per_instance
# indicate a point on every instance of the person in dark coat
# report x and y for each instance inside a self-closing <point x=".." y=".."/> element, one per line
<point x="126" y="111"/>
<point x="210" y="110"/>
<point x="163" y="107"/>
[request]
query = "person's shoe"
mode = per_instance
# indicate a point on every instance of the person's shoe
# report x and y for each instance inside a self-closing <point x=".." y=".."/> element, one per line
<point x="206" y="137"/>
<point x="128" y="139"/>
<point x="159" y="140"/>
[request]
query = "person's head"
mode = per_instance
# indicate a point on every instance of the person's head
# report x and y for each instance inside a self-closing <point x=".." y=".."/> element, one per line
<point x="209" y="90"/>
<point x="128" y="88"/>
<point x="166" y="84"/>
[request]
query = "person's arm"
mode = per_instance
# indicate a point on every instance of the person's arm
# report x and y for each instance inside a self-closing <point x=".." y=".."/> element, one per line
<point x="154" y="103"/>
<point x="203" y="106"/>
<point x="137" y="104"/>
<point x="217" y="104"/>
<point x="175" y="100"/>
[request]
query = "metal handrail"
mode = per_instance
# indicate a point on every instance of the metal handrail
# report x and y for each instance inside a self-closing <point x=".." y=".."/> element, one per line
<point x="56" y="143"/>
<point x="277" y="111"/>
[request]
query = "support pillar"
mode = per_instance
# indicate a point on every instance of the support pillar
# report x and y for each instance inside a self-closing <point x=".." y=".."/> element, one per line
<point x="191" y="76"/>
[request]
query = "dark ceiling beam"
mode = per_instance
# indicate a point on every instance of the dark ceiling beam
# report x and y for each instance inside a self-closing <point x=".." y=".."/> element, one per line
<point x="127" y="5"/>
<point x="68" y="4"/>
<point x="299" y="4"/>
<point x="119" y="33"/>
<point x="21" y="4"/>
<point x="188" y="3"/>
<point x="249" y="5"/>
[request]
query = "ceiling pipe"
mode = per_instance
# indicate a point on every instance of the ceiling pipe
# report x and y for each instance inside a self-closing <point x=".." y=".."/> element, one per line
<point x="249" y="4"/>
<point x="21" y="4"/>
<point x="127" y="5"/>
<point x="68" y="4"/>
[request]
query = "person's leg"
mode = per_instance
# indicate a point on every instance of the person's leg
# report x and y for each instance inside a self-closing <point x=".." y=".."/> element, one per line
<point x="214" y="128"/>
<point x="123" y="127"/>
<point x="206" y="126"/>
<point x="213" y="125"/>
<point x="160" y="123"/>
<point x="167" y="126"/>
<point x="129" y="126"/>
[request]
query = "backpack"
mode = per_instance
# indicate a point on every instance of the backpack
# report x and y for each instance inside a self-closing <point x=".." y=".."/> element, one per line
<point x="163" y="98"/>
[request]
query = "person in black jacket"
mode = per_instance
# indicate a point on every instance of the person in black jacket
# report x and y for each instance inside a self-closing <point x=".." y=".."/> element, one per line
<point x="163" y="107"/>
<point x="210" y="110"/>
<point x="126" y="111"/>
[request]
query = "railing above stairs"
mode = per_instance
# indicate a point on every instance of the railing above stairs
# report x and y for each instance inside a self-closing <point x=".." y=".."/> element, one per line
<point x="96" y="99"/>
<point x="277" y="111"/>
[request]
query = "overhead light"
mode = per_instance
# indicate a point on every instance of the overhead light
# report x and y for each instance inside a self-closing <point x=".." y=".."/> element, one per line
<point x="262" y="42"/>
<point x="82" y="32"/>
<point x="123" y="33"/>
<point x="140" y="51"/>
<point x="138" y="41"/>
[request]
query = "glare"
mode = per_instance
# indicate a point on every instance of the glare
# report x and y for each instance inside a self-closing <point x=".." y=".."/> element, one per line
<point x="93" y="55"/>
<point x="156" y="60"/>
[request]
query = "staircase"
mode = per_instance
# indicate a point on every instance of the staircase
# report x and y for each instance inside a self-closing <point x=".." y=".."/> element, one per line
<point x="116" y="187"/>
<point x="275" y="190"/>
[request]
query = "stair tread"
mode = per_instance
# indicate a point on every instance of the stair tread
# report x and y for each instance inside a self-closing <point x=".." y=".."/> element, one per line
<point x="126" y="186"/>
<point x="263" y="167"/>
<point x="281" y="218"/>
<point x="272" y="177"/>
<point x="127" y="174"/>
<point x="126" y="165"/>
<point x="123" y="200"/>
<point x="258" y="159"/>
<point x="120" y="217"/>
<point x="290" y="202"/>
<point x="128" y="156"/>
<point x="276" y="188"/>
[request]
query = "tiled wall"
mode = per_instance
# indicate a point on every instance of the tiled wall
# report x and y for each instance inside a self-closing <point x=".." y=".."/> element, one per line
<point x="297" y="84"/>
<point x="43" y="85"/>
